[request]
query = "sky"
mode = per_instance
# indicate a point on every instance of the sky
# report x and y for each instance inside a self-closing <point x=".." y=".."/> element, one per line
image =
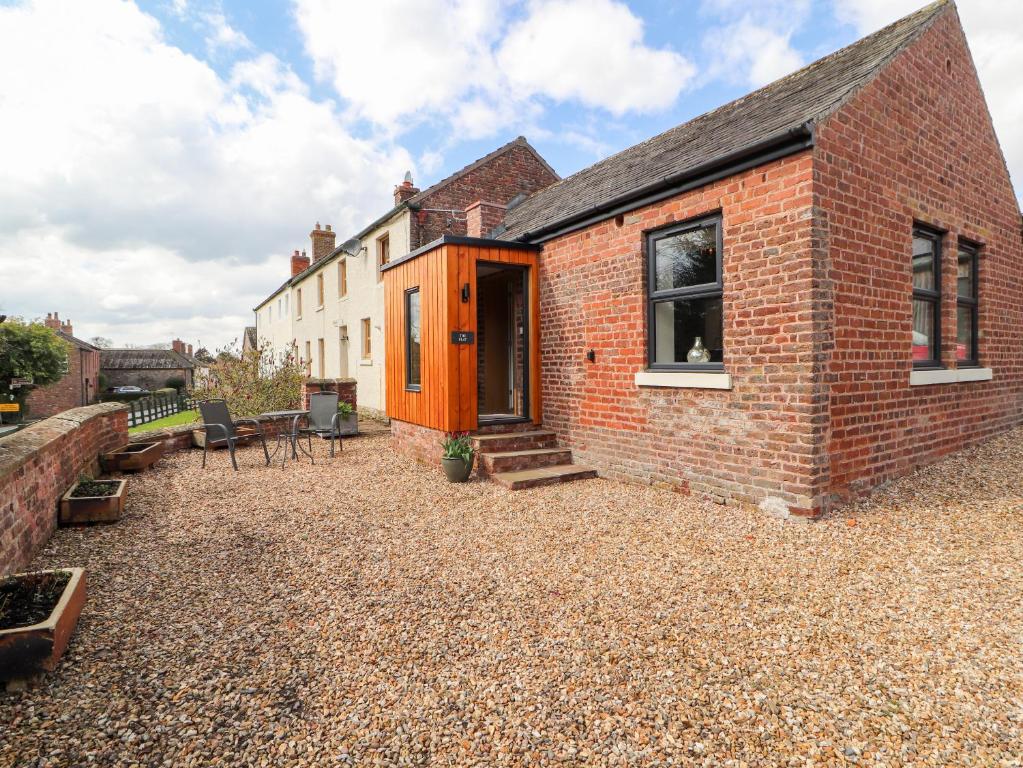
<point x="161" y="159"/>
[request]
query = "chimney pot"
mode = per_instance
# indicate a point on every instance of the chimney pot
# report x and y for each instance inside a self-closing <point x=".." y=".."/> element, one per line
<point x="322" y="242"/>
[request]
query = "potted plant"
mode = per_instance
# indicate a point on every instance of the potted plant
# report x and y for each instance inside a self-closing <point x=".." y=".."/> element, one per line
<point x="458" y="456"/>
<point x="132" y="457"/>
<point x="347" y="419"/>
<point x="38" y="614"/>
<point x="93" y="501"/>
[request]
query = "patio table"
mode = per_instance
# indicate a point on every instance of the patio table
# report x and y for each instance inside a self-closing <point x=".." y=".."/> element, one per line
<point x="291" y="436"/>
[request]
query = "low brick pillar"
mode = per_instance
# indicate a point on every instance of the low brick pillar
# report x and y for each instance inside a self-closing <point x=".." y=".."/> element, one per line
<point x="345" y="388"/>
<point x="419" y="442"/>
<point x="39" y="463"/>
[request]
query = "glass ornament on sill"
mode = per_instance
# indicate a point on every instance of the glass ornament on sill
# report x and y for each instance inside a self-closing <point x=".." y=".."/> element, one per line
<point x="699" y="353"/>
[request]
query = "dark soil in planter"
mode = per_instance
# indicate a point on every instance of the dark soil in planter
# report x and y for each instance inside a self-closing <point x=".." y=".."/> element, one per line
<point x="30" y="599"/>
<point x="89" y="488"/>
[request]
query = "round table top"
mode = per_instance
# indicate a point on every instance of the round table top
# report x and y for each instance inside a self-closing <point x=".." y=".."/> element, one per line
<point x="283" y="414"/>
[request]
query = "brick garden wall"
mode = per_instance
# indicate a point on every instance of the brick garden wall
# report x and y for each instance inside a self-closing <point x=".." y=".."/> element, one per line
<point x="754" y="441"/>
<point x="39" y="463"/>
<point x="345" y="388"/>
<point x="915" y="145"/>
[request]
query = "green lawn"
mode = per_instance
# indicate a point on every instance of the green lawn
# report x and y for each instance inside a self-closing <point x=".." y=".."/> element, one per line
<point x="177" y="419"/>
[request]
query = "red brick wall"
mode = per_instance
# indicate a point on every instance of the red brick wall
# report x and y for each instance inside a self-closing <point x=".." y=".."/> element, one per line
<point x="345" y="388"/>
<point x="39" y="463"/>
<point x="753" y="441"/>
<point x="499" y="180"/>
<point x="915" y="145"/>
<point x="77" y="388"/>
<point x="421" y="443"/>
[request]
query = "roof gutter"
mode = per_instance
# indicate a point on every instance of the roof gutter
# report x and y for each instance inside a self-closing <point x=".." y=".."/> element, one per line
<point x="788" y="142"/>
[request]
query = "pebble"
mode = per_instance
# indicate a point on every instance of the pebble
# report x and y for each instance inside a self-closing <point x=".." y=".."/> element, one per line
<point x="363" y="611"/>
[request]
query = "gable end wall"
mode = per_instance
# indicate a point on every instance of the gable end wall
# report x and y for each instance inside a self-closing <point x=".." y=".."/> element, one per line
<point x="916" y="144"/>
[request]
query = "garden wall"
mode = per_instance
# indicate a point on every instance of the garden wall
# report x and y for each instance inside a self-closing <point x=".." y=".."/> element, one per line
<point x="39" y="463"/>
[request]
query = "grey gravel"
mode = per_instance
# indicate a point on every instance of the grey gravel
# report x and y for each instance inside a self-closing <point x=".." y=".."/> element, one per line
<point x="366" y="612"/>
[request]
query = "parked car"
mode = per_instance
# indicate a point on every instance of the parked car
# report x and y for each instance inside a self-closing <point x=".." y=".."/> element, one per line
<point x="129" y="389"/>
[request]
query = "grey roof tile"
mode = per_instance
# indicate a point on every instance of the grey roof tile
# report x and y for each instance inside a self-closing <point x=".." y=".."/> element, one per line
<point x="803" y="97"/>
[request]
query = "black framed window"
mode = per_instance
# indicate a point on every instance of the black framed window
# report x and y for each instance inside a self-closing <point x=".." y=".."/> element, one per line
<point x="967" y="304"/>
<point x="926" y="297"/>
<point x="413" y="346"/>
<point x="685" y="320"/>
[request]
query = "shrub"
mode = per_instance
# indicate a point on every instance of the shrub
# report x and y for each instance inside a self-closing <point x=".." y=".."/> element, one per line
<point x="254" y="382"/>
<point x="457" y="445"/>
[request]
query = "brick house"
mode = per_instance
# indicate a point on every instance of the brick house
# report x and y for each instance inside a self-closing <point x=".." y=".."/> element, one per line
<point x="845" y="242"/>
<point x="331" y="309"/>
<point x="150" y="368"/>
<point x="79" y="386"/>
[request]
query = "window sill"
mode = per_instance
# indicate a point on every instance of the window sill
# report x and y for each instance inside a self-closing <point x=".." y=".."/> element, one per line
<point x="365" y="362"/>
<point x="684" y="379"/>
<point x="319" y="308"/>
<point x="949" y="376"/>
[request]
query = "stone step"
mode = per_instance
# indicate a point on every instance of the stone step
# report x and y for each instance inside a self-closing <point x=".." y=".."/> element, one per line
<point x="513" y="461"/>
<point x="499" y="427"/>
<point x="532" y="478"/>
<point x="514" y="441"/>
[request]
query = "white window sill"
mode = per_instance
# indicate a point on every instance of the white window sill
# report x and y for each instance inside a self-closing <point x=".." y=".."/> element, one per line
<point x="365" y="362"/>
<point x="949" y="376"/>
<point x="684" y="379"/>
<point x="319" y="308"/>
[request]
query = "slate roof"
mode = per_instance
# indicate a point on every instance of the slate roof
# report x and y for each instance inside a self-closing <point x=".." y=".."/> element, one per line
<point x="799" y="99"/>
<point x="250" y="336"/>
<point x="142" y="359"/>
<point x="78" y="342"/>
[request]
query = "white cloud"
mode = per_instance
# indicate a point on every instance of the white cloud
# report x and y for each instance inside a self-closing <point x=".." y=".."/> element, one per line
<point x="752" y="43"/>
<point x="609" y="66"/>
<point x="485" y="65"/>
<point x="994" y="29"/>
<point x="121" y="149"/>
<point x="752" y="53"/>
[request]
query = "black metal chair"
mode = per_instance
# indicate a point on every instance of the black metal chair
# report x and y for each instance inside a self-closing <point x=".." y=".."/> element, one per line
<point x="217" y="417"/>
<point x="323" y="419"/>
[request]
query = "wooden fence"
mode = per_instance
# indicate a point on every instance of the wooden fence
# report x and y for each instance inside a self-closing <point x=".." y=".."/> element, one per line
<point x="153" y="407"/>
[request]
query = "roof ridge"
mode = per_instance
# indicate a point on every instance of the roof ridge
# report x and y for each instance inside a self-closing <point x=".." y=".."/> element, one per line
<point x="518" y="141"/>
<point x="930" y="8"/>
<point x="803" y="97"/>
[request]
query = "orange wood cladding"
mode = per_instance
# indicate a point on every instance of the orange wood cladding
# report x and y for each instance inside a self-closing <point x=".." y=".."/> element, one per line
<point x="447" y="399"/>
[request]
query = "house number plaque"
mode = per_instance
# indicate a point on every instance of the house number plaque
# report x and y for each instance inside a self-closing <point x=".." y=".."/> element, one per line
<point x="462" y="337"/>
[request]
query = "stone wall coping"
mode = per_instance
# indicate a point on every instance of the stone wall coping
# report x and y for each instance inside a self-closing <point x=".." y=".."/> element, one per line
<point x="331" y="381"/>
<point x="18" y="448"/>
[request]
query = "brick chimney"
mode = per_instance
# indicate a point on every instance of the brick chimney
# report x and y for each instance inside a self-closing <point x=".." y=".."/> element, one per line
<point x="323" y="242"/>
<point x="53" y="321"/>
<point x="405" y="190"/>
<point x="189" y="352"/>
<point x="482" y="218"/>
<point x="298" y="263"/>
<point x="178" y="346"/>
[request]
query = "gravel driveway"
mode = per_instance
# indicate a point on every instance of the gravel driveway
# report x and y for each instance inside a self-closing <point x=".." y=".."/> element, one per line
<point x="363" y="611"/>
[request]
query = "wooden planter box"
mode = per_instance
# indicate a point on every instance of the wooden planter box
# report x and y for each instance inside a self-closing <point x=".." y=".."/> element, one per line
<point x="93" y="509"/>
<point x="245" y="434"/>
<point x="132" y="458"/>
<point x="29" y="651"/>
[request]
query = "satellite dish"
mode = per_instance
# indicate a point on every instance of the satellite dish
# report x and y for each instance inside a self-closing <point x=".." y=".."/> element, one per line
<point x="352" y="247"/>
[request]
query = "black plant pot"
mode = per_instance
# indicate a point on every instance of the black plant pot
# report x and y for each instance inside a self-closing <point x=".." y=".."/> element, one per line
<point x="458" y="469"/>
